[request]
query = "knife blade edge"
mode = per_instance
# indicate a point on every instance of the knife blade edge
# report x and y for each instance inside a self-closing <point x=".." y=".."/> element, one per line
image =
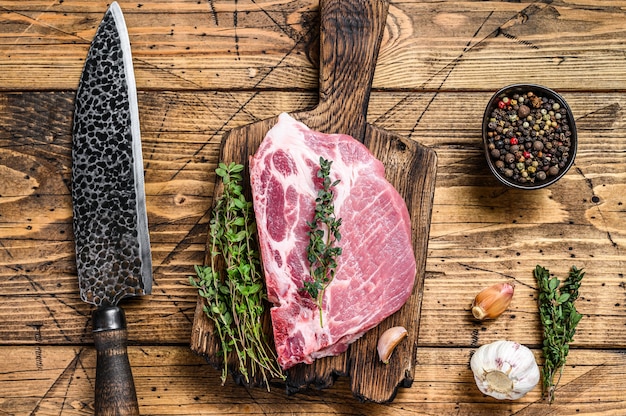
<point x="142" y="215"/>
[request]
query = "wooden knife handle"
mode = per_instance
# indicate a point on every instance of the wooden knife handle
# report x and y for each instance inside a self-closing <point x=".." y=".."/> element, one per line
<point x="351" y="32"/>
<point x="115" y="388"/>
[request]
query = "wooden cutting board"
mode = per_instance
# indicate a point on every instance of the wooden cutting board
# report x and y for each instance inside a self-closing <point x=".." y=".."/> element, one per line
<point x="350" y="36"/>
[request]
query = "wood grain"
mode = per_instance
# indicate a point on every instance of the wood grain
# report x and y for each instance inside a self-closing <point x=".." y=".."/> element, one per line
<point x="204" y="68"/>
<point x="477" y="228"/>
<point x="268" y="44"/>
<point x="51" y="379"/>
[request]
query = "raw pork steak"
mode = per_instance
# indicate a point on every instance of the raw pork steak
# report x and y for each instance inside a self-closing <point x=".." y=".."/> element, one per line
<point x="376" y="272"/>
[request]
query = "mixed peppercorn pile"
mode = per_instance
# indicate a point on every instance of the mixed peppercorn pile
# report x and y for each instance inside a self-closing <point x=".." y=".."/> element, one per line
<point x="529" y="138"/>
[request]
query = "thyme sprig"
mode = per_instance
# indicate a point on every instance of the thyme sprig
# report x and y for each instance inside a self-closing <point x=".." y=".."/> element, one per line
<point x="231" y="284"/>
<point x="559" y="318"/>
<point x="324" y="234"/>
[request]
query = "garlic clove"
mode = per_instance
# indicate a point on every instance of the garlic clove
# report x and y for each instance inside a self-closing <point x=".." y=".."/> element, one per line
<point x="388" y="342"/>
<point x="504" y="370"/>
<point x="492" y="301"/>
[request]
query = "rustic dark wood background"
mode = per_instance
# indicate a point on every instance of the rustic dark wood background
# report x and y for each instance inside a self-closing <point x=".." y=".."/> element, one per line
<point x="205" y="67"/>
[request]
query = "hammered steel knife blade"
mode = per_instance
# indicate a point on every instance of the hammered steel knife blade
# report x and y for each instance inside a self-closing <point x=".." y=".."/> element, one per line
<point x="110" y="221"/>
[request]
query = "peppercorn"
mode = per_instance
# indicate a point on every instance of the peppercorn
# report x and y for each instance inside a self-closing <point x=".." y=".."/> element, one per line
<point x="523" y="111"/>
<point x="553" y="171"/>
<point x="536" y="101"/>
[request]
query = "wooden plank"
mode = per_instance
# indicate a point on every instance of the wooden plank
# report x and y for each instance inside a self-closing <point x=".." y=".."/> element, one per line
<point x="477" y="230"/>
<point x="189" y="45"/>
<point x="41" y="380"/>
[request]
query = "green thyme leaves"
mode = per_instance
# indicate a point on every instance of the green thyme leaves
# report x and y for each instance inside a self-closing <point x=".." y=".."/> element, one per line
<point x="324" y="234"/>
<point x="232" y="283"/>
<point x="559" y="318"/>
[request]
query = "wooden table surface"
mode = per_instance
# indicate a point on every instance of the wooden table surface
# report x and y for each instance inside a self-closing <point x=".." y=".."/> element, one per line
<point x="204" y="67"/>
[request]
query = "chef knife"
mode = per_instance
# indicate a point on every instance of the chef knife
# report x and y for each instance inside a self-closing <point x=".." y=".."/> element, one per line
<point x="110" y="221"/>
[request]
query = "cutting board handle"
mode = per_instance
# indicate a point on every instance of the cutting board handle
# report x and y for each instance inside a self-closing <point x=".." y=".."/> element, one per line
<point x="115" y="388"/>
<point x="350" y="36"/>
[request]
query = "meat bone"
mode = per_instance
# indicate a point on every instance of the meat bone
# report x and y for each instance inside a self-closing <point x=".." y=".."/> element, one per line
<point x="351" y="32"/>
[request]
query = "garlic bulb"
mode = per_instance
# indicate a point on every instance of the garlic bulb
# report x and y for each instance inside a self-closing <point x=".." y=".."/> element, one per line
<point x="505" y="370"/>
<point x="493" y="301"/>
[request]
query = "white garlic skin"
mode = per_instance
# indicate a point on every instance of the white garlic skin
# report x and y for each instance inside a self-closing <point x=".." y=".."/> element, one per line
<point x="505" y="370"/>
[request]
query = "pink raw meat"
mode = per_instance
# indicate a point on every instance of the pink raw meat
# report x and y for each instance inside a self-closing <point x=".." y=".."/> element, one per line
<point x="376" y="271"/>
